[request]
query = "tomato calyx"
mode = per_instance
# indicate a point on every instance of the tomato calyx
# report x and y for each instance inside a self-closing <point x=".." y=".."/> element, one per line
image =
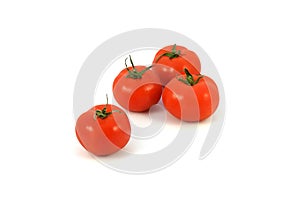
<point x="189" y="80"/>
<point x="171" y="54"/>
<point x="102" y="114"/>
<point x="134" y="74"/>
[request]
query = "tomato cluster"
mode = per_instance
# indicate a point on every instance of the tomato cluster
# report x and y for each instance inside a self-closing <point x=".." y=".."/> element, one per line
<point x="174" y="75"/>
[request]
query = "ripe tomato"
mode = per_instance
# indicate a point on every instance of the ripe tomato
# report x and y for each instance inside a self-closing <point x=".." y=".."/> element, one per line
<point x="170" y="62"/>
<point x="137" y="88"/>
<point x="191" y="97"/>
<point x="103" y="129"/>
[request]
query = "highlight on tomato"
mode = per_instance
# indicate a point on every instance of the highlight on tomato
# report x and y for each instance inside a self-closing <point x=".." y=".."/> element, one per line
<point x="137" y="88"/>
<point x="191" y="97"/>
<point x="170" y="62"/>
<point x="103" y="129"/>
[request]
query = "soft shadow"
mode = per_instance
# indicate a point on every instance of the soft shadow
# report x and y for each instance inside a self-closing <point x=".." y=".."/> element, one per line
<point x="82" y="153"/>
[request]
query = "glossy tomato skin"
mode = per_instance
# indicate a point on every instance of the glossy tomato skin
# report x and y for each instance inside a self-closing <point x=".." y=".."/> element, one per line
<point x="106" y="136"/>
<point x="137" y="95"/>
<point x="191" y="103"/>
<point x="167" y="68"/>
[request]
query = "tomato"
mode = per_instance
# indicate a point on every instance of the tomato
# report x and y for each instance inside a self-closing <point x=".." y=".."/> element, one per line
<point x="191" y="97"/>
<point x="170" y="62"/>
<point x="137" y="88"/>
<point x="103" y="129"/>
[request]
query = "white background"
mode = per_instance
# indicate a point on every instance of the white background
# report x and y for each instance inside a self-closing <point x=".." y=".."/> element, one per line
<point x="255" y="46"/>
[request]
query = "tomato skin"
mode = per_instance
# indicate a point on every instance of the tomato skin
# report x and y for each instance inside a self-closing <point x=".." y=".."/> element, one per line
<point x="137" y="95"/>
<point x="106" y="136"/>
<point x="191" y="103"/>
<point x="167" y="68"/>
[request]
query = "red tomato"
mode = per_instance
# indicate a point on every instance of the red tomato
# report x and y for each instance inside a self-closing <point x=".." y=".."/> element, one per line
<point x="103" y="130"/>
<point x="170" y="62"/>
<point x="191" y="97"/>
<point x="137" y="88"/>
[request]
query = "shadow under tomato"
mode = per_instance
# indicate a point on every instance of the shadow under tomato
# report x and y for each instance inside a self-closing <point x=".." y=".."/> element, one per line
<point x="82" y="153"/>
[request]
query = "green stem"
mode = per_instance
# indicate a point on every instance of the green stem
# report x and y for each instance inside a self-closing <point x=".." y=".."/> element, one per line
<point x="171" y="54"/>
<point x="134" y="74"/>
<point x="131" y="62"/>
<point x="126" y="64"/>
<point x="189" y="80"/>
<point x="102" y="114"/>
